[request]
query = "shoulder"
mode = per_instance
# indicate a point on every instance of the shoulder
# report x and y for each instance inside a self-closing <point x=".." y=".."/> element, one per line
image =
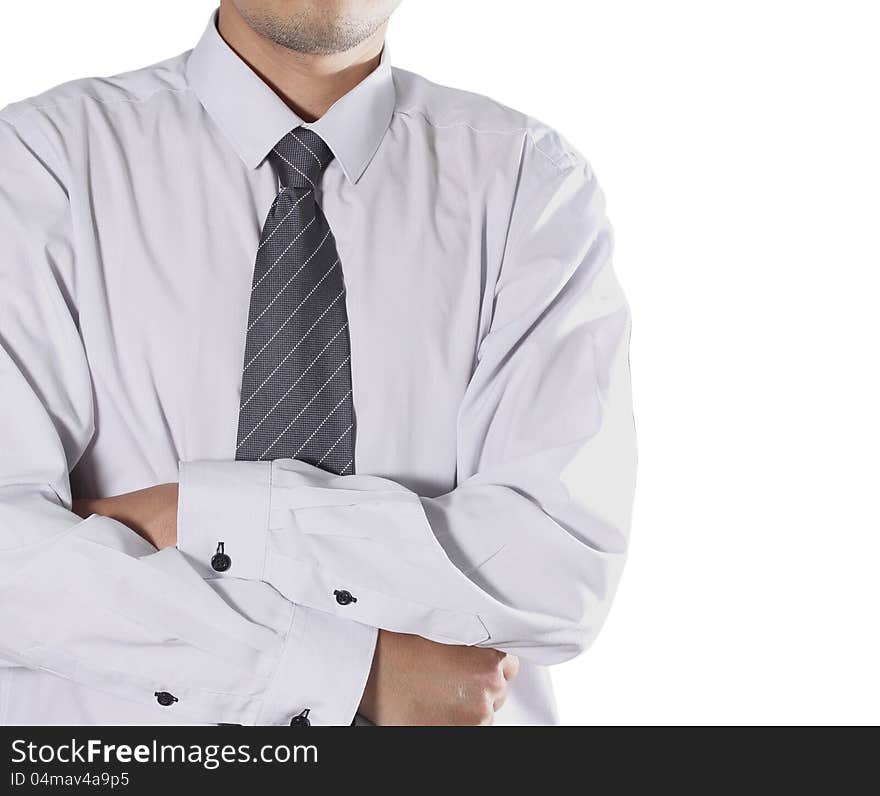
<point x="71" y="99"/>
<point x="445" y="108"/>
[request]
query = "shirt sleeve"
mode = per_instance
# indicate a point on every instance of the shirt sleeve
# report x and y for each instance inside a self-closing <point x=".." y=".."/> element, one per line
<point x="524" y="555"/>
<point x="89" y="600"/>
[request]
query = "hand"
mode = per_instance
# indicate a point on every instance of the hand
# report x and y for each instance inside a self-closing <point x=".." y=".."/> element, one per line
<point x="152" y="512"/>
<point x="414" y="681"/>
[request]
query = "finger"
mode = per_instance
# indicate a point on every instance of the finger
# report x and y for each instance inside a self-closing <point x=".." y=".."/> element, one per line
<point x="510" y="667"/>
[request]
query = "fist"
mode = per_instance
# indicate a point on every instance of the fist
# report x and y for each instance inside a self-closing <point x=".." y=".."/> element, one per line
<point x="414" y="681"/>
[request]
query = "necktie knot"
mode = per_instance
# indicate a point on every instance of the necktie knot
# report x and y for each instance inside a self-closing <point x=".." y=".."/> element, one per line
<point x="300" y="158"/>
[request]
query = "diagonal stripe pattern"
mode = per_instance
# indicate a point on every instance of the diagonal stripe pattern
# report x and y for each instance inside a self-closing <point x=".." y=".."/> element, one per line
<point x="296" y="394"/>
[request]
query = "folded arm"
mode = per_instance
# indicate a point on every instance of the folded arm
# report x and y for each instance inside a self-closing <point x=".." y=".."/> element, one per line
<point x="525" y="553"/>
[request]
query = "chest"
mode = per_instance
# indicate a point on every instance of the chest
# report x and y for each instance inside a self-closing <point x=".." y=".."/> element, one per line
<point x="166" y="253"/>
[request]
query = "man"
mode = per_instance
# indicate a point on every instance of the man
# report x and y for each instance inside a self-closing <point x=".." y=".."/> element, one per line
<point x="315" y="390"/>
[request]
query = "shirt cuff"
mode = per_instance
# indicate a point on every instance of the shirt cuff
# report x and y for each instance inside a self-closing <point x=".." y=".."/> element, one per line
<point x="223" y="517"/>
<point x="323" y="671"/>
<point x="326" y="659"/>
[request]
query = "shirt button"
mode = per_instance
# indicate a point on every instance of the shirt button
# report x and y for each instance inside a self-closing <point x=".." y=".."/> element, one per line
<point x="221" y="562"/>
<point x="165" y="699"/>
<point x="302" y="720"/>
<point x="344" y="597"/>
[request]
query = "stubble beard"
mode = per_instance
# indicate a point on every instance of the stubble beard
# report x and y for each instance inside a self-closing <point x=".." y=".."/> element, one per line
<point x="314" y="33"/>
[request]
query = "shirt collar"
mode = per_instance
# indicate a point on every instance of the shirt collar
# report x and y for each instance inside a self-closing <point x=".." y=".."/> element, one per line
<point x="254" y="118"/>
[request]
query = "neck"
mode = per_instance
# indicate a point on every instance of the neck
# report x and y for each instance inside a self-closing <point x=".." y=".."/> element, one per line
<point x="308" y="83"/>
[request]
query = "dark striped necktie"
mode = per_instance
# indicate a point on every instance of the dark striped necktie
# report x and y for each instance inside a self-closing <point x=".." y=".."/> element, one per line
<point x="296" y="394"/>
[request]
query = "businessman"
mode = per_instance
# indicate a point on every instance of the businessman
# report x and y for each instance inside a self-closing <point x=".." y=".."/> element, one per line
<point x="315" y="390"/>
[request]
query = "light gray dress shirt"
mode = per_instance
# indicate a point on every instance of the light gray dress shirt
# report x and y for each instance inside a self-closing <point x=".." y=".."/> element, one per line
<point x="495" y="448"/>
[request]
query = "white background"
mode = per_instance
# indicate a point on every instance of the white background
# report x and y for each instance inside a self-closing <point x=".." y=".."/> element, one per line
<point x="739" y="147"/>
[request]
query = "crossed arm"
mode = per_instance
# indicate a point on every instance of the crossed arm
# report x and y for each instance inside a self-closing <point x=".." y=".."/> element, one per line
<point x="522" y="557"/>
<point x="412" y="681"/>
